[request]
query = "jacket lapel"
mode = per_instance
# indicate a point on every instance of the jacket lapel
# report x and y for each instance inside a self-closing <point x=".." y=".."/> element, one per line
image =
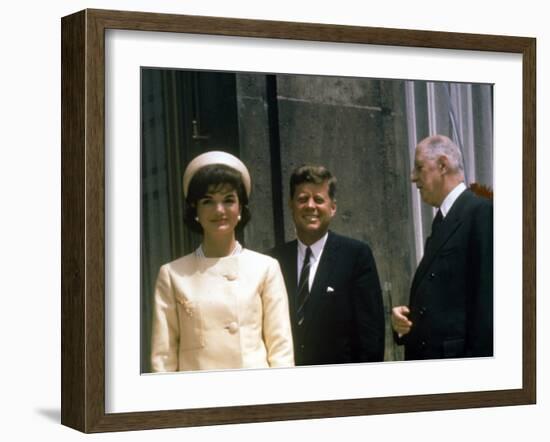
<point x="325" y="265"/>
<point x="448" y="227"/>
<point x="321" y="280"/>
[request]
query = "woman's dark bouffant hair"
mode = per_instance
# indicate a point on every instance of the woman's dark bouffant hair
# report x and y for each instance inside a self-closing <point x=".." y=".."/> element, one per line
<point x="214" y="176"/>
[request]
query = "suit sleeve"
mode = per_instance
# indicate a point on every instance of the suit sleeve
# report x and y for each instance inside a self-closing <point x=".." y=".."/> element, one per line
<point x="368" y="309"/>
<point x="165" y="334"/>
<point x="479" y="340"/>
<point x="277" y="333"/>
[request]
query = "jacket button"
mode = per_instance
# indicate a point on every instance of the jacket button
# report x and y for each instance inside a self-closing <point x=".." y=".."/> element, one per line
<point x="421" y="311"/>
<point x="432" y="275"/>
<point x="233" y="327"/>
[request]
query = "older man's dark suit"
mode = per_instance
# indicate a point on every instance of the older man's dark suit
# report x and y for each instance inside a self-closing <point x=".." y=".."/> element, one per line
<point x="344" y="316"/>
<point x="451" y="297"/>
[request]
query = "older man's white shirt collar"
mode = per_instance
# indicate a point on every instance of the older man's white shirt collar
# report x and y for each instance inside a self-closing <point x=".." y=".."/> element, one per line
<point x="451" y="198"/>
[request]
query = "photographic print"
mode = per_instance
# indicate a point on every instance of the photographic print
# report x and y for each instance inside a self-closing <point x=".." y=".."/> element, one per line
<point x="362" y="130"/>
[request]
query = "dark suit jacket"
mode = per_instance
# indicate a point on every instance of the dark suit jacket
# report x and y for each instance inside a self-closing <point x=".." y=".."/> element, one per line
<point x="344" y="316"/>
<point x="451" y="297"/>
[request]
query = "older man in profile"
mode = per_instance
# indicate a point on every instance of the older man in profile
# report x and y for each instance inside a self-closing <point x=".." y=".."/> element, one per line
<point x="450" y="309"/>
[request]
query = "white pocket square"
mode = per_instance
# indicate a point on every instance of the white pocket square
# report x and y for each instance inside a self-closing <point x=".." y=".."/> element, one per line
<point x="330" y="290"/>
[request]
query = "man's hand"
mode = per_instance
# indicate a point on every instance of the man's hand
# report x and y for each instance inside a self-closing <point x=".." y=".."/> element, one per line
<point x="400" y="321"/>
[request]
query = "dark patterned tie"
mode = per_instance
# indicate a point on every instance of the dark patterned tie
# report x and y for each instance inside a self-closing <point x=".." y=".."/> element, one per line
<point x="438" y="219"/>
<point x="303" y="287"/>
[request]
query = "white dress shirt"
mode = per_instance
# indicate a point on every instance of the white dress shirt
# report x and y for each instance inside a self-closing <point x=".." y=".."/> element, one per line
<point x="316" y="252"/>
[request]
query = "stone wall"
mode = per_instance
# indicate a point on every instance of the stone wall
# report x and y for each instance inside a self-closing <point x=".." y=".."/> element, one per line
<point x="356" y="127"/>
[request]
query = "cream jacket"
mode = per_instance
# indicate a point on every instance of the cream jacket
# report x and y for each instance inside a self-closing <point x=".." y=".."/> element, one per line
<point x="221" y="313"/>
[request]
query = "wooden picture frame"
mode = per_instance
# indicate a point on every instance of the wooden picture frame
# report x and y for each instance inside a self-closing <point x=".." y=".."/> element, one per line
<point x="83" y="220"/>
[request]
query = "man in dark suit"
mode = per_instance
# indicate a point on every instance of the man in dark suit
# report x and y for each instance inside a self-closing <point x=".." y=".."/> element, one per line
<point x="450" y="311"/>
<point x="335" y="299"/>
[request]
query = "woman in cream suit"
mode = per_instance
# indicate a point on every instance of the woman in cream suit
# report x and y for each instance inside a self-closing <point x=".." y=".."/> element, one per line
<point x="222" y="306"/>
